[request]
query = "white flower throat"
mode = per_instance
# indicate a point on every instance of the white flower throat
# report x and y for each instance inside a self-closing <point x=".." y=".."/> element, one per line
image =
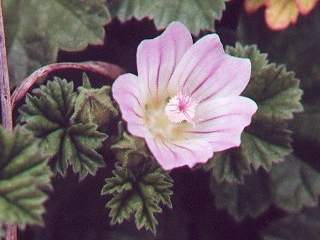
<point x="181" y="108"/>
<point x="169" y="119"/>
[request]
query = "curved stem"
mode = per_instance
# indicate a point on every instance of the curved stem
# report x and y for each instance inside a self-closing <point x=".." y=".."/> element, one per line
<point x="107" y="70"/>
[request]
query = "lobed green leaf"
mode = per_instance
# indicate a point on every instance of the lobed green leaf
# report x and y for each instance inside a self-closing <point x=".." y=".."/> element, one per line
<point x="164" y="12"/>
<point x="138" y="191"/>
<point x="49" y="115"/>
<point x="24" y="176"/>
<point x="267" y="140"/>
<point x="290" y="185"/>
<point x="37" y="29"/>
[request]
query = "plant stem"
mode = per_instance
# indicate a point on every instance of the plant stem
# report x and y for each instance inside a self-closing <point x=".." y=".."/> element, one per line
<point x="4" y="79"/>
<point x="6" y="108"/>
<point x="11" y="232"/>
<point x="104" y="69"/>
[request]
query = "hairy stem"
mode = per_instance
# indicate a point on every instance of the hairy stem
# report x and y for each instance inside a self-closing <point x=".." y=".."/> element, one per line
<point x="4" y="79"/>
<point x="107" y="70"/>
<point x="11" y="232"/>
<point x="6" y="108"/>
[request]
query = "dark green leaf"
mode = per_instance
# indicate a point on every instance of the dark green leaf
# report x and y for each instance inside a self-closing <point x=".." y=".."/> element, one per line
<point x="165" y="11"/>
<point x="251" y="198"/>
<point x="295" y="185"/>
<point x="303" y="125"/>
<point x="290" y="185"/>
<point x="48" y="115"/>
<point x="24" y="174"/>
<point x="37" y="29"/>
<point x="138" y="191"/>
<point x="267" y="139"/>
<point x="275" y="90"/>
<point x="130" y="149"/>
<point x="302" y="226"/>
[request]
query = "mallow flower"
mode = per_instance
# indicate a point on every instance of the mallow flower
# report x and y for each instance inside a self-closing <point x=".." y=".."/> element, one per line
<point x="185" y="100"/>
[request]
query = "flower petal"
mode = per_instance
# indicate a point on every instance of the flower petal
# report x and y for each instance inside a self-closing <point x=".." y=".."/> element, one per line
<point x="199" y="62"/>
<point x="221" y="121"/>
<point x="158" y="57"/>
<point x="127" y="95"/>
<point x="177" y="154"/>
<point x="230" y="79"/>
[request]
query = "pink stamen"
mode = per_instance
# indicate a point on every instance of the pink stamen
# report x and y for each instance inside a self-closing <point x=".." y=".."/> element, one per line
<point x="181" y="108"/>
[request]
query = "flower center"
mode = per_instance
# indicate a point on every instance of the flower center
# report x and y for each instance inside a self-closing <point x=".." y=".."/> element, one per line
<point x="181" y="108"/>
<point x="169" y="119"/>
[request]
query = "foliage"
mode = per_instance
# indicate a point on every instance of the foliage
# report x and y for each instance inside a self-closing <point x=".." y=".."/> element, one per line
<point x="44" y="27"/>
<point x="302" y="226"/>
<point x="289" y="190"/>
<point x="130" y="150"/>
<point x="206" y="12"/>
<point x="249" y="199"/>
<point x="138" y="191"/>
<point x="267" y="139"/>
<point x="48" y="114"/>
<point x="297" y="188"/>
<point x="304" y="126"/>
<point x="24" y="176"/>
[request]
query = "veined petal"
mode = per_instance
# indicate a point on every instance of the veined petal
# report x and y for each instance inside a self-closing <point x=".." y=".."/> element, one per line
<point x="230" y="79"/>
<point x="158" y="57"/>
<point x="221" y="121"/>
<point x="180" y="153"/>
<point x="199" y="63"/>
<point x="125" y="91"/>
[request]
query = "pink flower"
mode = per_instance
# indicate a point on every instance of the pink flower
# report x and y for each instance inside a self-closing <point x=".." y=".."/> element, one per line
<point x="185" y="100"/>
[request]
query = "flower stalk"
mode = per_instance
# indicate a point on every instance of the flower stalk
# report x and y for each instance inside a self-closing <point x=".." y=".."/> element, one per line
<point x="107" y="70"/>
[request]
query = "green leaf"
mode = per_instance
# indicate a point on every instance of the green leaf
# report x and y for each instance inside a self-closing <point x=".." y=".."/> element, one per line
<point x="267" y="139"/>
<point x="24" y="174"/>
<point x="295" y="185"/>
<point x="48" y="115"/>
<point x="251" y="198"/>
<point x="303" y="125"/>
<point x="44" y="27"/>
<point x="302" y="226"/>
<point x="290" y="185"/>
<point x="195" y="14"/>
<point x="94" y="105"/>
<point x="130" y="149"/>
<point x="138" y="191"/>
<point x="275" y="90"/>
